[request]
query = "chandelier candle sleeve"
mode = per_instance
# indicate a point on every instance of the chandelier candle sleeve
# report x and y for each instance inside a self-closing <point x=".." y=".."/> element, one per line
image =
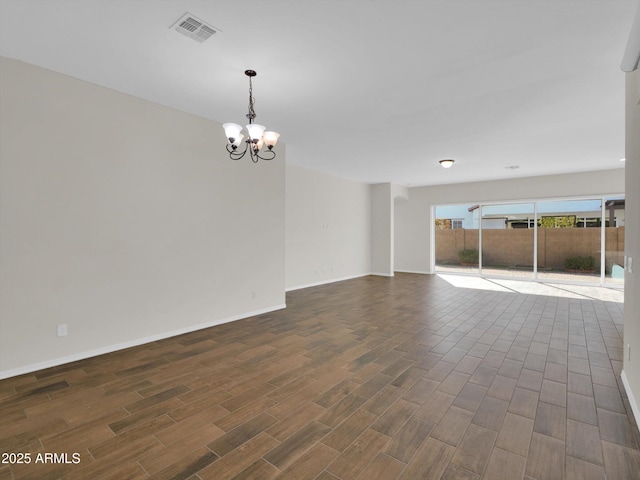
<point x="232" y="131"/>
<point x="270" y="138"/>
<point x="255" y="131"/>
<point x="257" y="137"/>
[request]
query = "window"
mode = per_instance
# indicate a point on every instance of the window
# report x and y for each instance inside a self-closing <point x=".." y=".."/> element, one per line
<point x="570" y="240"/>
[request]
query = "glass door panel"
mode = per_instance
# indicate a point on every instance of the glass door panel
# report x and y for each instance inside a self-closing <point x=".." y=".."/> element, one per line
<point x="614" y="241"/>
<point x="569" y="239"/>
<point x="508" y="240"/>
<point x="456" y="239"/>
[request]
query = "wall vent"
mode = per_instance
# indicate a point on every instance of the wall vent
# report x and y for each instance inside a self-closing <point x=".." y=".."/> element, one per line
<point x="193" y="27"/>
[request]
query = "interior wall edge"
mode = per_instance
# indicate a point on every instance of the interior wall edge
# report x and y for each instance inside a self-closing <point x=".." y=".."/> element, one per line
<point x="635" y="408"/>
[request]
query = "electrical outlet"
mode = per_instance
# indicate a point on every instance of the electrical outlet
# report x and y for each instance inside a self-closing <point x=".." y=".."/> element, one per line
<point x="254" y="295"/>
<point x="62" y="330"/>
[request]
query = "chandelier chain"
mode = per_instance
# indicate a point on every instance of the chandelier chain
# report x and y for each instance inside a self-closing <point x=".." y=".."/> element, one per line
<point x="252" y="114"/>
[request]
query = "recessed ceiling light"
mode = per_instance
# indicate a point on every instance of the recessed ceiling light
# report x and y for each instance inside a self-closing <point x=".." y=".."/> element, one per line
<point x="447" y="163"/>
<point x="622" y="159"/>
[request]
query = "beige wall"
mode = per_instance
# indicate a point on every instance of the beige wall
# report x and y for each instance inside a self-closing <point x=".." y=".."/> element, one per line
<point x="124" y="220"/>
<point x="384" y="197"/>
<point x="632" y="283"/>
<point x="382" y="230"/>
<point x="328" y="227"/>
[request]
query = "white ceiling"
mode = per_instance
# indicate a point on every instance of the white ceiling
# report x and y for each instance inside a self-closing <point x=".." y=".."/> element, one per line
<point x="370" y="90"/>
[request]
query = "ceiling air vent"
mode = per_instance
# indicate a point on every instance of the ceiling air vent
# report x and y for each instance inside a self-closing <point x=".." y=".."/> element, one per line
<point x="193" y="27"/>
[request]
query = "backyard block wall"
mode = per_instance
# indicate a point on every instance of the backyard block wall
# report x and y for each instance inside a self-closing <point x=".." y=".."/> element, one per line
<point x="514" y="247"/>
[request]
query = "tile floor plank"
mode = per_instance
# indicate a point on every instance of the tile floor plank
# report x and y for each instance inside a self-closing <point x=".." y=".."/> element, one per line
<point x="452" y="426"/>
<point x="546" y="458"/>
<point x="407" y="441"/>
<point x="383" y="467"/>
<point x="515" y="434"/>
<point x="358" y="456"/>
<point x="474" y="449"/>
<point x="309" y="465"/>
<point x="583" y="442"/>
<point x="430" y="461"/>
<point x="504" y="465"/>
<point x="297" y="444"/>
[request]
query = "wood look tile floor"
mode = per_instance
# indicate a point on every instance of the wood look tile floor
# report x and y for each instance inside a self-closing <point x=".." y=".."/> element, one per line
<point x="372" y="378"/>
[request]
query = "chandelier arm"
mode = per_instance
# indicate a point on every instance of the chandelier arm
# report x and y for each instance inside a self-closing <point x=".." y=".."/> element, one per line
<point x="270" y="157"/>
<point x="254" y="152"/>
<point x="234" y="154"/>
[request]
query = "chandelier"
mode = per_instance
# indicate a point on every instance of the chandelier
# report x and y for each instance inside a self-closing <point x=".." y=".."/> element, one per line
<point x="257" y="136"/>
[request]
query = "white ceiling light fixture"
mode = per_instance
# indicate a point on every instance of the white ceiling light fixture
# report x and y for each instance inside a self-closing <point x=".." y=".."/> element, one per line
<point x="257" y="136"/>
<point x="447" y="163"/>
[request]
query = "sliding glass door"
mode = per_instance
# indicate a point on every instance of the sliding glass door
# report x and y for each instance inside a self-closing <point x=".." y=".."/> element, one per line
<point x="572" y="240"/>
<point x="569" y="239"/>
<point x="456" y="238"/>
<point x="508" y="239"/>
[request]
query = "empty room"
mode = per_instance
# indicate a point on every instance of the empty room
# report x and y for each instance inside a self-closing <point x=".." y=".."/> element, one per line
<point x="330" y="240"/>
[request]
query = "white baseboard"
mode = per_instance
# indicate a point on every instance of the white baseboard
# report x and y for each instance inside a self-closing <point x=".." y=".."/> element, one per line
<point x="632" y="399"/>
<point x="325" y="282"/>
<point x="414" y="271"/>
<point x="133" y="343"/>
<point x="333" y="280"/>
